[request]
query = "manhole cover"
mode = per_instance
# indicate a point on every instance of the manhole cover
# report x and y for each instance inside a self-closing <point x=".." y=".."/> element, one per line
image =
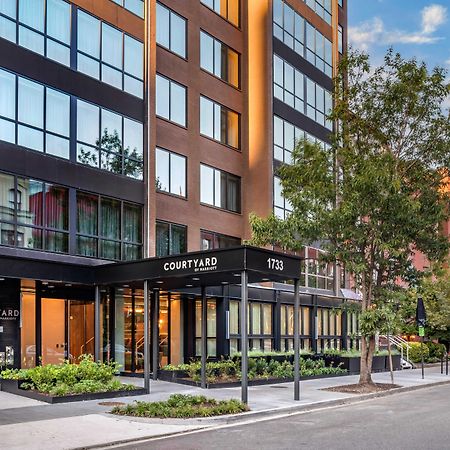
<point x="279" y="387"/>
<point x="111" y="403"/>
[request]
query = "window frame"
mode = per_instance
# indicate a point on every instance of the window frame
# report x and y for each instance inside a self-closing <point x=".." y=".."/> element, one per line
<point x="169" y="119"/>
<point x="238" y="25"/>
<point x="215" y="239"/>
<point x="169" y="49"/>
<point x="170" y="153"/>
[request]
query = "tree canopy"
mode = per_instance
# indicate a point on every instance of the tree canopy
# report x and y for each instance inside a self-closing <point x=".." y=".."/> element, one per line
<point x="376" y="198"/>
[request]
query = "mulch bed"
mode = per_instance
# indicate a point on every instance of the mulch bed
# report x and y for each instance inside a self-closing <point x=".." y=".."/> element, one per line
<point x="363" y="388"/>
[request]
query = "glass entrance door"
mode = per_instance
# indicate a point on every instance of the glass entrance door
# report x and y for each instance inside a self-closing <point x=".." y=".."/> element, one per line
<point x="67" y="330"/>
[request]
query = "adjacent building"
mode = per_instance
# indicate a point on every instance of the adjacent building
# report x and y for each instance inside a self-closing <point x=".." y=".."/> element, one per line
<point x="134" y="129"/>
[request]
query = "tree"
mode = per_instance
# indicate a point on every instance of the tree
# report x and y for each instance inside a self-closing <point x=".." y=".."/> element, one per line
<point x="376" y="198"/>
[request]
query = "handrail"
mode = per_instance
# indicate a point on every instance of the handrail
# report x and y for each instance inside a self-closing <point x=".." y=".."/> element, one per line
<point x="85" y="344"/>
<point x="401" y="345"/>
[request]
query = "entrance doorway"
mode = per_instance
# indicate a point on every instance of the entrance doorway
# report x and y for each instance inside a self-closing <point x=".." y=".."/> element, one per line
<point x="67" y="329"/>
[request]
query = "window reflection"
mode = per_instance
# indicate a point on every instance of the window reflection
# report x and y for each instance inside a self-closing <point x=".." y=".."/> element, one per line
<point x="170" y="30"/>
<point x="170" y="100"/>
<point x="171" y="239"/>
<point x="170" y="172"/>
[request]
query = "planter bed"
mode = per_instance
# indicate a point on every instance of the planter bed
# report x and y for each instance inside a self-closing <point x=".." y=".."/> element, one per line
<point x="13" y="387"/>
<point x="256" y="382"/>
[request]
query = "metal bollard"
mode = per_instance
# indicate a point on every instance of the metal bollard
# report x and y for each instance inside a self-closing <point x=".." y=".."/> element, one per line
<point x="446" y="364"/>
<point x="442" y="364"/>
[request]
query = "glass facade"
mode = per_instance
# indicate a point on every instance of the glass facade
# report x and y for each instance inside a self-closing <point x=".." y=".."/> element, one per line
<point x="211" y="241"/>
<point x="329" y="329"/>
<point x="219" y="123"/>
<point x="109" y="141"/>
<point x="171" y="239"/>
<point x="281" y="207"/>
<point x="301" y="93"/>
<point x="170" y="172"/>
<point x="109" y="55"/>
<point x="171" y="100"/>
<point x="134" y="6"/>
<point x="211" y="327"/>
<point x="220" y="189"/>
<point x="287" y="327"/>
<point x="299" y="35"/>
<point x="228" y="9"/>
<point x="219" y="59"/>
<point x="170" y="30"/>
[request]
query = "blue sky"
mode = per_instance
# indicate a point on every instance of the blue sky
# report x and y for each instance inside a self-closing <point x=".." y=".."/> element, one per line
<point x="418" y="28"/>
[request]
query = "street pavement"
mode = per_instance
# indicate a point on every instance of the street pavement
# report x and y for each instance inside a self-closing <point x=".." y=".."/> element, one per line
<point x="417" y="420"/>
<point x="29" y="424"/>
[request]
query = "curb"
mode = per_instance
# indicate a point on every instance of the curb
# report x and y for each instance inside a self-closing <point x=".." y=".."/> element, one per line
<point x="248" y="417"/>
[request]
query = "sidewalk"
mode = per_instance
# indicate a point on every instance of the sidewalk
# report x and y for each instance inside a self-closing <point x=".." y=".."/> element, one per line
<point x="30" y="424"/>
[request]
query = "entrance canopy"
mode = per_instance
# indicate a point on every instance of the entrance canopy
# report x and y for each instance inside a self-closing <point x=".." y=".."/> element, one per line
<point x="207" y="268"/>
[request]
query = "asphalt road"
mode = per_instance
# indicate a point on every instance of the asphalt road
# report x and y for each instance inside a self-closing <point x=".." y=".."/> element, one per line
<point x="418" y="420"/>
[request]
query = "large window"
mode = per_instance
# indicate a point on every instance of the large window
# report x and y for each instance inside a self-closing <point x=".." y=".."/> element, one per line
<point x="108" y="140"/>
<point x="108" y="228"/>
<point x="33" y="214"/>
<point x="171" y="239"/>
<point x="135" y="6"/>
<point x="170" y="30"/>
<point x="170" y="100"/>
<point x="170" y="172"/>
<point x="212" y="241"/>
<point x="228" y="9"/>
<point x="220" y="189"/>
<point x="322" y="9"/>
<point x="37" y="117"/>
<point x="219" y="123"/>
<point x="109" y="55"/>
<point x="287" y="327"/>
<point x="211" y="327"/>
<point x="42" y="26"/>
<point x="316" y="273"/>
<point x="219" y="59"/>
<point x="329" y="329"/>
<point x="298" y="34"/>
<point x="301" y="93"/>
<point x="281" y="207"/>
<point x="285" y="137"/>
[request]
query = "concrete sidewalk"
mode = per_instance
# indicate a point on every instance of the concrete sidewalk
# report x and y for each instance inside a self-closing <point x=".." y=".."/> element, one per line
<point x="29" y="424"/>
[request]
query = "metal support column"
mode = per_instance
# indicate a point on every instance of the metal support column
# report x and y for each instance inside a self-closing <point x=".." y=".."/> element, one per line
<point x="97" y="324"/>
<point x="204" y="347"/>
<point x="155" y="334"/>
<point x="296" y="340"/>
<point x="146" y="338"/>
<point x="244" y="337"/>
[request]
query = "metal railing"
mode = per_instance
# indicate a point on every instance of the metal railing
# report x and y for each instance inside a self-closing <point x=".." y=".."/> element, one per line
<point x="401" y="344"/>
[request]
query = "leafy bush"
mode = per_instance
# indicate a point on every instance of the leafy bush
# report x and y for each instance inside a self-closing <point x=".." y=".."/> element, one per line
<point x="182" y="406"/>
<point x="64" y="379"/>
<point x="415" y="351"/>
<point x="436" y="351"/>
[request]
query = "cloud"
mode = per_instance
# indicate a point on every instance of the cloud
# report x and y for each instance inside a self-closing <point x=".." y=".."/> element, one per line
<point x="374" y="32"/>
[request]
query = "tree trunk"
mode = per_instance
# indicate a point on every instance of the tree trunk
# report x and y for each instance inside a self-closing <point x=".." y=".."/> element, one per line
<point x="367" y="351"/>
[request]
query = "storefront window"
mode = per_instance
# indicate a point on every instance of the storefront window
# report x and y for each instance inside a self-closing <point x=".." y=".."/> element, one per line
<point x="211" y="325"/>
<point x="28" y="320"/>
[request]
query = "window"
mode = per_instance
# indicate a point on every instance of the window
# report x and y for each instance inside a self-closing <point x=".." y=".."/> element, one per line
<point x="281" y="207"/>
<point x="322" y="9"/>
<point x="135" y="6"/>
<point x="170" y="30"/>
<point x="341" y="3"/>
<point x="219" y="59"/>
<point x="293" y="88"/>
<point x="34" y="214"/>
<point x="109" y="141"/>
<point x="108" y="228"/>
<point x="340" y="39"/>
<point x="170" y="100"/>
<point x="287" y="327"/>
<point x="43" y="26"/>
<point x="211" y="241"/>
<point x="328" y="329"/>
<point x="42" y="116"/>
<point x="220" y="189"/>
<point x="219" y="123"/>
<point x="211" y="327"/>
<point x="170" y="172"/>
<point x="317" y="274"/>
<point x="299" y="35"/>
<point x="171" y="239"/>
<point x="228" y="9"/>
<point x="109" y="55"/>
<point x="285" y="137"/>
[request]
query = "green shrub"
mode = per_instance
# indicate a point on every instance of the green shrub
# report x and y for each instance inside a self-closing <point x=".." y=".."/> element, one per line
<point x="415" y="351"/>
<point x="436" y="351"/>
<point x="64" y="379"/>
<point x="182" y="406"/>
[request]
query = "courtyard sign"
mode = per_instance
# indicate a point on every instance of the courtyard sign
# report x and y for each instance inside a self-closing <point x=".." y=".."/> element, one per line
<point x="195" y="265"/>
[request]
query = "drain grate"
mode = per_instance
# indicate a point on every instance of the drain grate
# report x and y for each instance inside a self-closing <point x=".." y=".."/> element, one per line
<point x="279" y="387"/>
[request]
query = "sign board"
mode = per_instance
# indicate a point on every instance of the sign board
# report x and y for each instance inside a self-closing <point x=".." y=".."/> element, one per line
<point x="421" y="331"/>
<point x="273" y="264"/>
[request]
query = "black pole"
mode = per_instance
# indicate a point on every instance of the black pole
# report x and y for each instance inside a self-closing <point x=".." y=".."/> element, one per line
<point x="296" y="340"/>
<point x="446" y="364"/>
<point x="442" y="364"/>
<point x="146" y="338"/>
<point x="97" y="324"/>
<point x="244" y="338"/>
<point x="421" y="353"/>
<point x="204" y="346"/>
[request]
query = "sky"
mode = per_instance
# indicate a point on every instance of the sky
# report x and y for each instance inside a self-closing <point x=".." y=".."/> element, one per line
<point x="415" y="28"/>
